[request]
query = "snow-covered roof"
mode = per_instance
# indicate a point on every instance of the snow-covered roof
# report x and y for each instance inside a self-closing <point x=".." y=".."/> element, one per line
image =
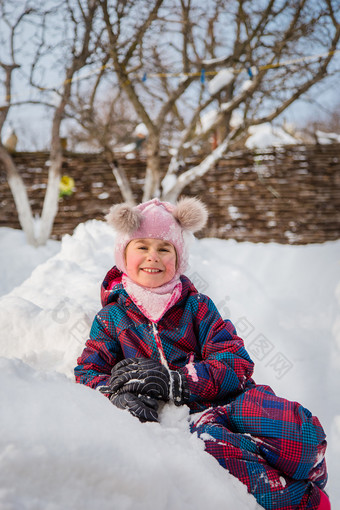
<point x="325" y="138"/>
<point x="267" y="135"/>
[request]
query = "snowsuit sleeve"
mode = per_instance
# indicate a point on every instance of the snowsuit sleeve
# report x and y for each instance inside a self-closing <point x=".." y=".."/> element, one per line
<point x="101" y="352"/>
<point x="225" y="365"/>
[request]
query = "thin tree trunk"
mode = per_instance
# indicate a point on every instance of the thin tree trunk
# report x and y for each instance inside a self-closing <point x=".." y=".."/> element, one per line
<point x="50" y="207"/>
<point x="19" y="193"/>
<point x="152" y="175"/>
<point x="121" y="179"/>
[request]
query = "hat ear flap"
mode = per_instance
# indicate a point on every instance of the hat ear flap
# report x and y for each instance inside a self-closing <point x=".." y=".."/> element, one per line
<point x="124" y="218"/>
<point x="191" y="214"/>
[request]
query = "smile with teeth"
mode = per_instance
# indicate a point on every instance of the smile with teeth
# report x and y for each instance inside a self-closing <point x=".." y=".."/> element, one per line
<point x="148" y="270"/>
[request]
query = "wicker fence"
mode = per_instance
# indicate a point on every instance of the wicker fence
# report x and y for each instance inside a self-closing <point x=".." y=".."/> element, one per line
<point x="288" y="195"/>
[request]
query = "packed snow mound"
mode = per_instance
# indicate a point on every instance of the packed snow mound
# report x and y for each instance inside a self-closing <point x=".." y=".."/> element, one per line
<point x="47" y="319"/>
<point x="65" y="446"/>
<point x="70" y="448"/>
<point x="24" y="258"/>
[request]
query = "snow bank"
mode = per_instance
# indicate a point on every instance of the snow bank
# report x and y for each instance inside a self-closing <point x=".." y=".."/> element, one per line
<point x="46" y="320"/>
<point x="65" y="446"/>
<point x="23" y="258"/>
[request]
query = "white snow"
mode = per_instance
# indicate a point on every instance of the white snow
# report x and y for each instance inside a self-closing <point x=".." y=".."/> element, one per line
<point x="234" y="212"/>
<point x="215" y="60"/>
<point x="246" y="85"/>
<point x="168" y="182"/>
<point x="267" y="135"/>
<point x="64" y="446"/>
<point x="325" y="138"/>
<point x="221" y="80"/>
<point x="18" y="259"/>
<point x="206" y="121"/>
<point x="130" y="147"/>
<point x="130" y="155"/>
<point x="236" y="119"/>
<point x="141" y="130"/>
<point x="103" y="196"/>
<point x="260" y="136"/>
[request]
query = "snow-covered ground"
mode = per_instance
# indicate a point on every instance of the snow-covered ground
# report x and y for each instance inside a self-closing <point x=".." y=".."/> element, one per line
<point x="64" y="446"/>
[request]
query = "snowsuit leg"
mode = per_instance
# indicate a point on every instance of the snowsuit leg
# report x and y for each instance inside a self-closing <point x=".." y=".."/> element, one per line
<point x="274" y="446"/>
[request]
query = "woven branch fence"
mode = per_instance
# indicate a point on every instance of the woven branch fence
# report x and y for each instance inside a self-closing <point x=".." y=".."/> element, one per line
<point x="288" y="195"/>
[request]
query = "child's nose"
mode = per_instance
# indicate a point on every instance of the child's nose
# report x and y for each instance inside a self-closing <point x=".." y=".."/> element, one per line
<point x="153" y="255"/>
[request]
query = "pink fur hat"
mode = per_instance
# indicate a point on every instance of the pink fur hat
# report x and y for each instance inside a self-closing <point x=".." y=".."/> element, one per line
<point x="157" y="220"/>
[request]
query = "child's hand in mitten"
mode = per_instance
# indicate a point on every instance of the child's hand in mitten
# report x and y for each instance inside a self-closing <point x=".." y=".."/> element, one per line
<point x="148" y="377"/>
<point x="143" y="407"/>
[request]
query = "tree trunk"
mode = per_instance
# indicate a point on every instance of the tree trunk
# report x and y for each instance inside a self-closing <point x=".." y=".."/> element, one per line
<point x="50" y="207"/>
<point x="121" y="178"/>
<point x="152" y="175"/>
<point x="19" y="193"/>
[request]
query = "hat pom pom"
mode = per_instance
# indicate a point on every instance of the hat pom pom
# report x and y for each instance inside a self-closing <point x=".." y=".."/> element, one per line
<point x="124" y="218"/>
<point x="191" y="214"/>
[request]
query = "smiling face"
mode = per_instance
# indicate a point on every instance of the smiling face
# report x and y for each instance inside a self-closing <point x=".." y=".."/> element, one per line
<point x="150" y="262"/>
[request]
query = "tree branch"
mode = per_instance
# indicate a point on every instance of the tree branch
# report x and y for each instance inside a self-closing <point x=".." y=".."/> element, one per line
<point x="122" y="73"/>
<point x="141" y="32"/>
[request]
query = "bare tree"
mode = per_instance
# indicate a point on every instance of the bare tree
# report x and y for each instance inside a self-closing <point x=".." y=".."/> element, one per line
<point x="243" y="62"/>
<point x="65" y="41"/>
<point x="8" y="67"/>
<point x="79" y="17"/>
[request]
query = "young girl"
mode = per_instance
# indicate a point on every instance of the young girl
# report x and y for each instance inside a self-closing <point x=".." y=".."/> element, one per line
<point x="157" y="338"/>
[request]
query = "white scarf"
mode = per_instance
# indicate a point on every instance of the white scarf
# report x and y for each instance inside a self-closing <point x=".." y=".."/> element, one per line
<point x="153" y="302"/>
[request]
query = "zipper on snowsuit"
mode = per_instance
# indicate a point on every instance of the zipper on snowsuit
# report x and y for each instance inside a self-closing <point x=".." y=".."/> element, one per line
<point x="159" y="346"/>
<point x="162" y="357"/>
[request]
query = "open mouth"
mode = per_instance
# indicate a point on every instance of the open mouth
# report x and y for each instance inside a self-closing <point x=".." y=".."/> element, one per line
<point x="151" y="271"/>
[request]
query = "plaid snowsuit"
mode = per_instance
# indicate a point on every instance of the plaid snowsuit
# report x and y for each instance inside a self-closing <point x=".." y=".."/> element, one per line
<point x="274" y="446"/>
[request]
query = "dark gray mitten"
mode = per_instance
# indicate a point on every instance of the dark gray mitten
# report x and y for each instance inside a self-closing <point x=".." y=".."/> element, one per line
<point x="148" y="377"/>
<point x="143" y="407"/>
<point x="180" y="388"/>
